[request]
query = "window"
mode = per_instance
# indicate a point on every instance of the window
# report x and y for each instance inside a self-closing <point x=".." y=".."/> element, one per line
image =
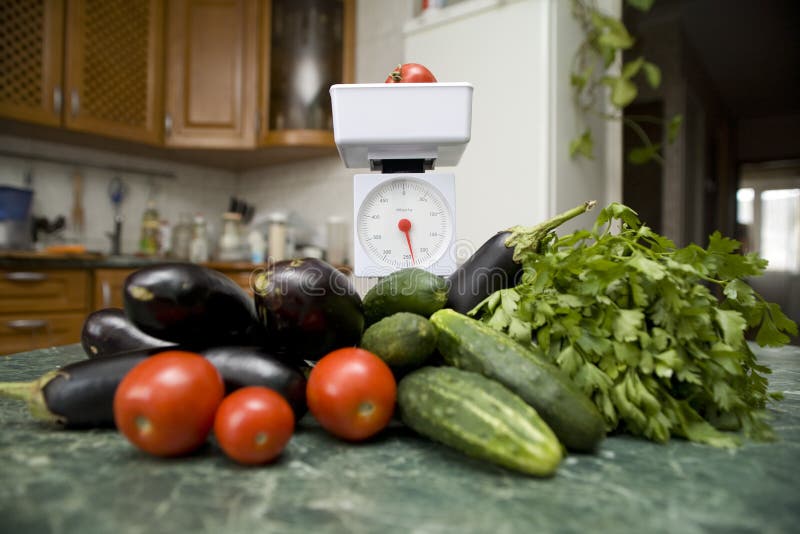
<point x="768" y="217"/>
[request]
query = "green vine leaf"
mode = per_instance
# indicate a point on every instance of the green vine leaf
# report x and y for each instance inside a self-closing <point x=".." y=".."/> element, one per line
<point x="641" y="5"/>
<point x="674" y="128"/>
<point x="631" y="68"/>
<point x="652" y="73"/>
<point x="623" y="91"/>
<point x="643" y="154"/>
<point x="582" y="145"/>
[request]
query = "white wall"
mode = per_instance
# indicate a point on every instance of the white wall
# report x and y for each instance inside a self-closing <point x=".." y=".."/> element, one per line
<point x="194" y="190"/>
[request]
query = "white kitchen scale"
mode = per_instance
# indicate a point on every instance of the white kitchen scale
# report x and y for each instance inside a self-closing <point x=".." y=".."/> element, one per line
<point x="403" y="216"/>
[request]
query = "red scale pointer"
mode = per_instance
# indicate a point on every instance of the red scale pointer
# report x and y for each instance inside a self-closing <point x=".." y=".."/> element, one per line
<point x="404" y="225"/>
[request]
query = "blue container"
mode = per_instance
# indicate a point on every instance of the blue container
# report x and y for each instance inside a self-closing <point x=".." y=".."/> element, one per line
<point x="15" y="203"/>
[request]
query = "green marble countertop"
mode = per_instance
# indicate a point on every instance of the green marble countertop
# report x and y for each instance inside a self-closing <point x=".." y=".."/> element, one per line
<point x="53" y="480"/>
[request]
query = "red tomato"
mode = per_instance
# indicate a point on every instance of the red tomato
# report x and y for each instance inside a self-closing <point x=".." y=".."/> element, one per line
<point x="166" y="404"/>
<point x="351" y="392"/>
<point x="411" y="73"/>
<point x="253" y="425"/>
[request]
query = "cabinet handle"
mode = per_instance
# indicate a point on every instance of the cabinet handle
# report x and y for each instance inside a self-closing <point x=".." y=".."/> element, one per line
<point x="21" y="276"/>
<point x="58" y="100"/>
<point x="167" y="124"/>
<point x="75" y="102"/>
<point x="105" y="291"/>
<point x="28" y="324"/>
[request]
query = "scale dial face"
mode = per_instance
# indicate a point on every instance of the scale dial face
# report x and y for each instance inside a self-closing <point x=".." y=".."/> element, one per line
<point x="404" y="222"/>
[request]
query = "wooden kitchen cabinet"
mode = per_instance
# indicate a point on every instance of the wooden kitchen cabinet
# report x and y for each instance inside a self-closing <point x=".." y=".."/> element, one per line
<point x="107" y="287"/>
<point x="114" y="70"/>
<point x="110" y="53"/>
<point x="31" y="60"/>
<point x="211" y="73"/>
<point x="41" y="308"/>
<point x="307" y="46"/>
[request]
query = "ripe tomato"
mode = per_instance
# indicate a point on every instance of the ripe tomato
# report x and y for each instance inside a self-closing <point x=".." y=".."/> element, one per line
<point x="411" y="73"/>
<point x="166" y="404"/>
<point x="253" y="425"/>
<point x="351" y="392"/>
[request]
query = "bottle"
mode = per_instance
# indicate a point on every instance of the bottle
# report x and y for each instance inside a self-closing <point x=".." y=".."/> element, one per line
<point x="198" y="249"/>
<point x="151" y="228"/>
<point x="182" y="237"/>
<point x="230" y="248"/>
<point x="276" y="236"/>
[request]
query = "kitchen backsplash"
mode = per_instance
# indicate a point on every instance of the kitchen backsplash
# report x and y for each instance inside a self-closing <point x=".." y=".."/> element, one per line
<point x="193" y="190"/>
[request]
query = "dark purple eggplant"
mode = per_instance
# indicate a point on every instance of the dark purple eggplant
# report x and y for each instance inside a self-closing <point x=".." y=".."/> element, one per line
<point x="308" y="308"/>
<point x="489" y="269"/>
<point x="191" y="305"/>
<point x="108" y="332"/>
<point x="81" y="394"/>
<point x="253" y="366"/>
<point x="492" y="266"/>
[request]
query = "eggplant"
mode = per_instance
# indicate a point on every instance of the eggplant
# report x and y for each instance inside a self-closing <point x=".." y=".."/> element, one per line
<point x="254" y="366"/>
<point x="489" y="269"/>
<point x="81" y="394"/>
<point x="108" y="332"/>
<point x="308" y="308"/>
<point x="191" y="305"/>
<point x="492" y="267"/>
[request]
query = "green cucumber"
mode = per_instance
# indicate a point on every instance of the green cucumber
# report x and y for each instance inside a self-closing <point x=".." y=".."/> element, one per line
<point x="410" y="290"/>
<point x="469" y="344"/>
<point x="478" y="417"/>
<point x="403" y="340"/>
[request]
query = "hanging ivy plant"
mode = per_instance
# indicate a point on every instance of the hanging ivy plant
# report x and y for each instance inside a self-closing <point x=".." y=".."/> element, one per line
<point x="593" y="76"/>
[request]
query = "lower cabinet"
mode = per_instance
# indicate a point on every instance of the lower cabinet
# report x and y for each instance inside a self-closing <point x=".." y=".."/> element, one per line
<point x="47" y="307"/>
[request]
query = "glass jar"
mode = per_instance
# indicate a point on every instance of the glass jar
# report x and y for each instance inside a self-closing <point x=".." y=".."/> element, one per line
<point x="198" y="249"/>
<point x="182" y="237"/>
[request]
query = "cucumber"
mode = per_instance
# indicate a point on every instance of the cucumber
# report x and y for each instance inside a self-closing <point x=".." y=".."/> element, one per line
<point x="478" y="417"/>
<point x="403" y="340"/>
<point x="469" y="344"/>
<point x="410" y="290"/>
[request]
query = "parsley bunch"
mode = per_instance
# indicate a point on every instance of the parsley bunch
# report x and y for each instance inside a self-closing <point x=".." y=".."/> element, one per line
<point x="635" y="322"/>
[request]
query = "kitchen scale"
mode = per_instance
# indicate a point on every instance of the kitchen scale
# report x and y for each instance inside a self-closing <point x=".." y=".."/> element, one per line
<point x="404" y="216"/>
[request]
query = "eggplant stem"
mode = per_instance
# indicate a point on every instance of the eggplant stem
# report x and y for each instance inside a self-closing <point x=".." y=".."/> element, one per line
<point x="18" y="390"/>
<point x="530" y="237"/>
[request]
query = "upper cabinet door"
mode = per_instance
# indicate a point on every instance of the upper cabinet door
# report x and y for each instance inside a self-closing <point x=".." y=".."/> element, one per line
<point x="211" y="73"/>
<point x="114" y="68"/>
<point x="31" y="38"/>
<point x="307" y="45"/>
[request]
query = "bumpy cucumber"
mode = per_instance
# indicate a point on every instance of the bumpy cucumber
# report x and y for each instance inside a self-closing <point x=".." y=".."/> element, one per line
<point x="407" y="290"/>
<point x="469" y="344"/>
<point x="403" y="340"/>
<point x="478" y="417"/>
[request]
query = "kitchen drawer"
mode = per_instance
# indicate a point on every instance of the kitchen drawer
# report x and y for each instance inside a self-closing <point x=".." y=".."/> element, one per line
<point x="43" y="290"/>
<point x="23" y="332"/>
<point x="108" y="284"/>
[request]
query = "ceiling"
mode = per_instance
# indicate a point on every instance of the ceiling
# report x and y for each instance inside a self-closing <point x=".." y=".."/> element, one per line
<point x="750" y="50"/>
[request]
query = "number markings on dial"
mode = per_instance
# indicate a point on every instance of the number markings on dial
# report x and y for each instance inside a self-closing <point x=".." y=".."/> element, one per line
<point x="404" y="198"/>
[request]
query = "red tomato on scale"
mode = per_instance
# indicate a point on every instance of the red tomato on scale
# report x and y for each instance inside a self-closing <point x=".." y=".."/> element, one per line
<point x="166" y="404"/>
<point x="411" y="73"/>
<point x="351" y="392"/>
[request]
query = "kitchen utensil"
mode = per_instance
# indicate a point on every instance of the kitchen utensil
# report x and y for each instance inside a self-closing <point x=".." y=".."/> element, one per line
<point x="77" y="203"/>
<point x="117" y="190"/>
<point x="404" y="217"/>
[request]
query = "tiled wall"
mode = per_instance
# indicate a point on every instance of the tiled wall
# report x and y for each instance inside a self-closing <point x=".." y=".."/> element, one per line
<point x="194" y="190"/>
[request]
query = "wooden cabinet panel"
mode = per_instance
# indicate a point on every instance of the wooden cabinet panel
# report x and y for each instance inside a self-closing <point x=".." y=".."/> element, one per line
<point x="108" y="285"/>
<point x="114" y="68"/>
<point x="31" y="56"/>
<point x="32" y="291"/>
<point x="211" y="73"/>
<point x="23" y="332"/>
